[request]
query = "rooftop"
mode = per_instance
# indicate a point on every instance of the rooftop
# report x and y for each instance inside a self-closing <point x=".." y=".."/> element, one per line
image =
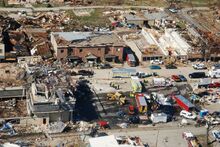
<point x="155" y="15"/>
<point x="87" y="39"/>
<point x="145" y="42"/>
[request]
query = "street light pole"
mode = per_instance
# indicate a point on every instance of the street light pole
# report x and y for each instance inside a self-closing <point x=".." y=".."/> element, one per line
<point x="207" y="132"/>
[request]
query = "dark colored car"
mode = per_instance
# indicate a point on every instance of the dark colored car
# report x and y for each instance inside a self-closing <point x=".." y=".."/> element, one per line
<point x="216" y="114"/>
<point x="197" y="75"/>
<point x="182" y="78"/>
<point x="85" y="73"/>
<point x="134" y="119"/>
<point x="170" y="66"/>
<point x="154" y="67"/>
<point x="176" y="78"/>
<point x="214" y="85"/>
<point x="105" y="66"/>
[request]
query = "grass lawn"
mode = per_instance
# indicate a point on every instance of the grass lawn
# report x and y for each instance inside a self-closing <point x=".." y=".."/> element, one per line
<point x="197" y="3"/>
<point x="96" y="18"/>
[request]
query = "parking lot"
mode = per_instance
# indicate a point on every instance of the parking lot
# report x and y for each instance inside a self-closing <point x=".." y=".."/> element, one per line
<point x="117" y="115"/>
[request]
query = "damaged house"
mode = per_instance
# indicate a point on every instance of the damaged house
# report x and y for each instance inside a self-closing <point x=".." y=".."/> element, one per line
<point x="18" y="44"/>
<point x="39" y="42"/>
<point x="50" y="96"/>
<point x="88" y="46"/>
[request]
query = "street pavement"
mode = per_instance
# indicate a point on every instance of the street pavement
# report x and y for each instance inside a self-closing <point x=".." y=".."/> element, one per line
<point x="106" y="73"/>
<point x="30" y="9"/>
<point x="156" y="137"/>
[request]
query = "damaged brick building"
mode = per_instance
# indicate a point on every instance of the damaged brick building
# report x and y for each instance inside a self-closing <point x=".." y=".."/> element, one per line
<point x="88" y="46"/>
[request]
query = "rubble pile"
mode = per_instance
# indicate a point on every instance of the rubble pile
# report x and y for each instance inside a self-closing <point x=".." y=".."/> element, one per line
<point x="83" y="126"/>
<point x="9" y="75"/>
<point x="47" y="20"/>
<point x="13" y="108"/>
<point x="56" y="127"/>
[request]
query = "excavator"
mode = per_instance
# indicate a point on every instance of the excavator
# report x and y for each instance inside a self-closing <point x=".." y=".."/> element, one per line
<point x="121" y="98"/>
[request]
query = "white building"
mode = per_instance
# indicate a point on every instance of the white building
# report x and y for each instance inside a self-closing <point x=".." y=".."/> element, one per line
<point x="172" y="41"/>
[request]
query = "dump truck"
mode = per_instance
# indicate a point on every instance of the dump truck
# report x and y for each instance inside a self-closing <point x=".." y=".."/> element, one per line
<point x="117" y="96"/>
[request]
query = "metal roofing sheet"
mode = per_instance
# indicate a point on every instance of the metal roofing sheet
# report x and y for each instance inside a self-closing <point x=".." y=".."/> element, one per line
<point x="73" y="36"/>
<point x="156" y="15"/>
<point x="12" y="92"/>
<point x="185" y="101"/>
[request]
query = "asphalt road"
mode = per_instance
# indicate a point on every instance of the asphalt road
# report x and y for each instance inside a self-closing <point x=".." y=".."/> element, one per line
<point x="156" y="137"/>
<point x="29" y="9"/>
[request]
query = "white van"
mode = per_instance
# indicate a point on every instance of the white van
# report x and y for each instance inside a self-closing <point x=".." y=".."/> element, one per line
<point x="214" y="73"/>
<point x="187" y="115"/>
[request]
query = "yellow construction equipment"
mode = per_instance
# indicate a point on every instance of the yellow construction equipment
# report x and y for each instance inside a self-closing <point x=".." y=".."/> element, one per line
<point x="117" y="96"/>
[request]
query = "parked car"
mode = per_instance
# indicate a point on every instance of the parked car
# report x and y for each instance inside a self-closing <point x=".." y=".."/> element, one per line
<point x="176" y="78"/>
<point x="154" y="67"/>
<point x="197" y="75"/>
<point x="170" y="66"/>
<point x="215" y="66"/>
<point x="85" y="73"/>
<point x="191" y="139"/>
<point x="199" y="66"/>
<point x="134" y="119"/>
<point x="214" y="85"/>
<point x="187" y="135"/>
<point x="216" y="114"/>
<point x="187" y="115"/>
<point x="104" y="66"/>
<point x="214" y="73"/>
<point x="182" y="78"/>
<point x="173" y="10"/>
<point x="156" y="61"/>
<point x="216" y="135"/>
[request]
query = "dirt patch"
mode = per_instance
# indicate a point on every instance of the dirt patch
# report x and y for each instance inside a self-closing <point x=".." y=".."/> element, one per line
<point x="13" y="108"/>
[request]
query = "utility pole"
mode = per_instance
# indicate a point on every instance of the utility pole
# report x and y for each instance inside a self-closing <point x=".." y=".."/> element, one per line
<point x="207" y="132"/>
